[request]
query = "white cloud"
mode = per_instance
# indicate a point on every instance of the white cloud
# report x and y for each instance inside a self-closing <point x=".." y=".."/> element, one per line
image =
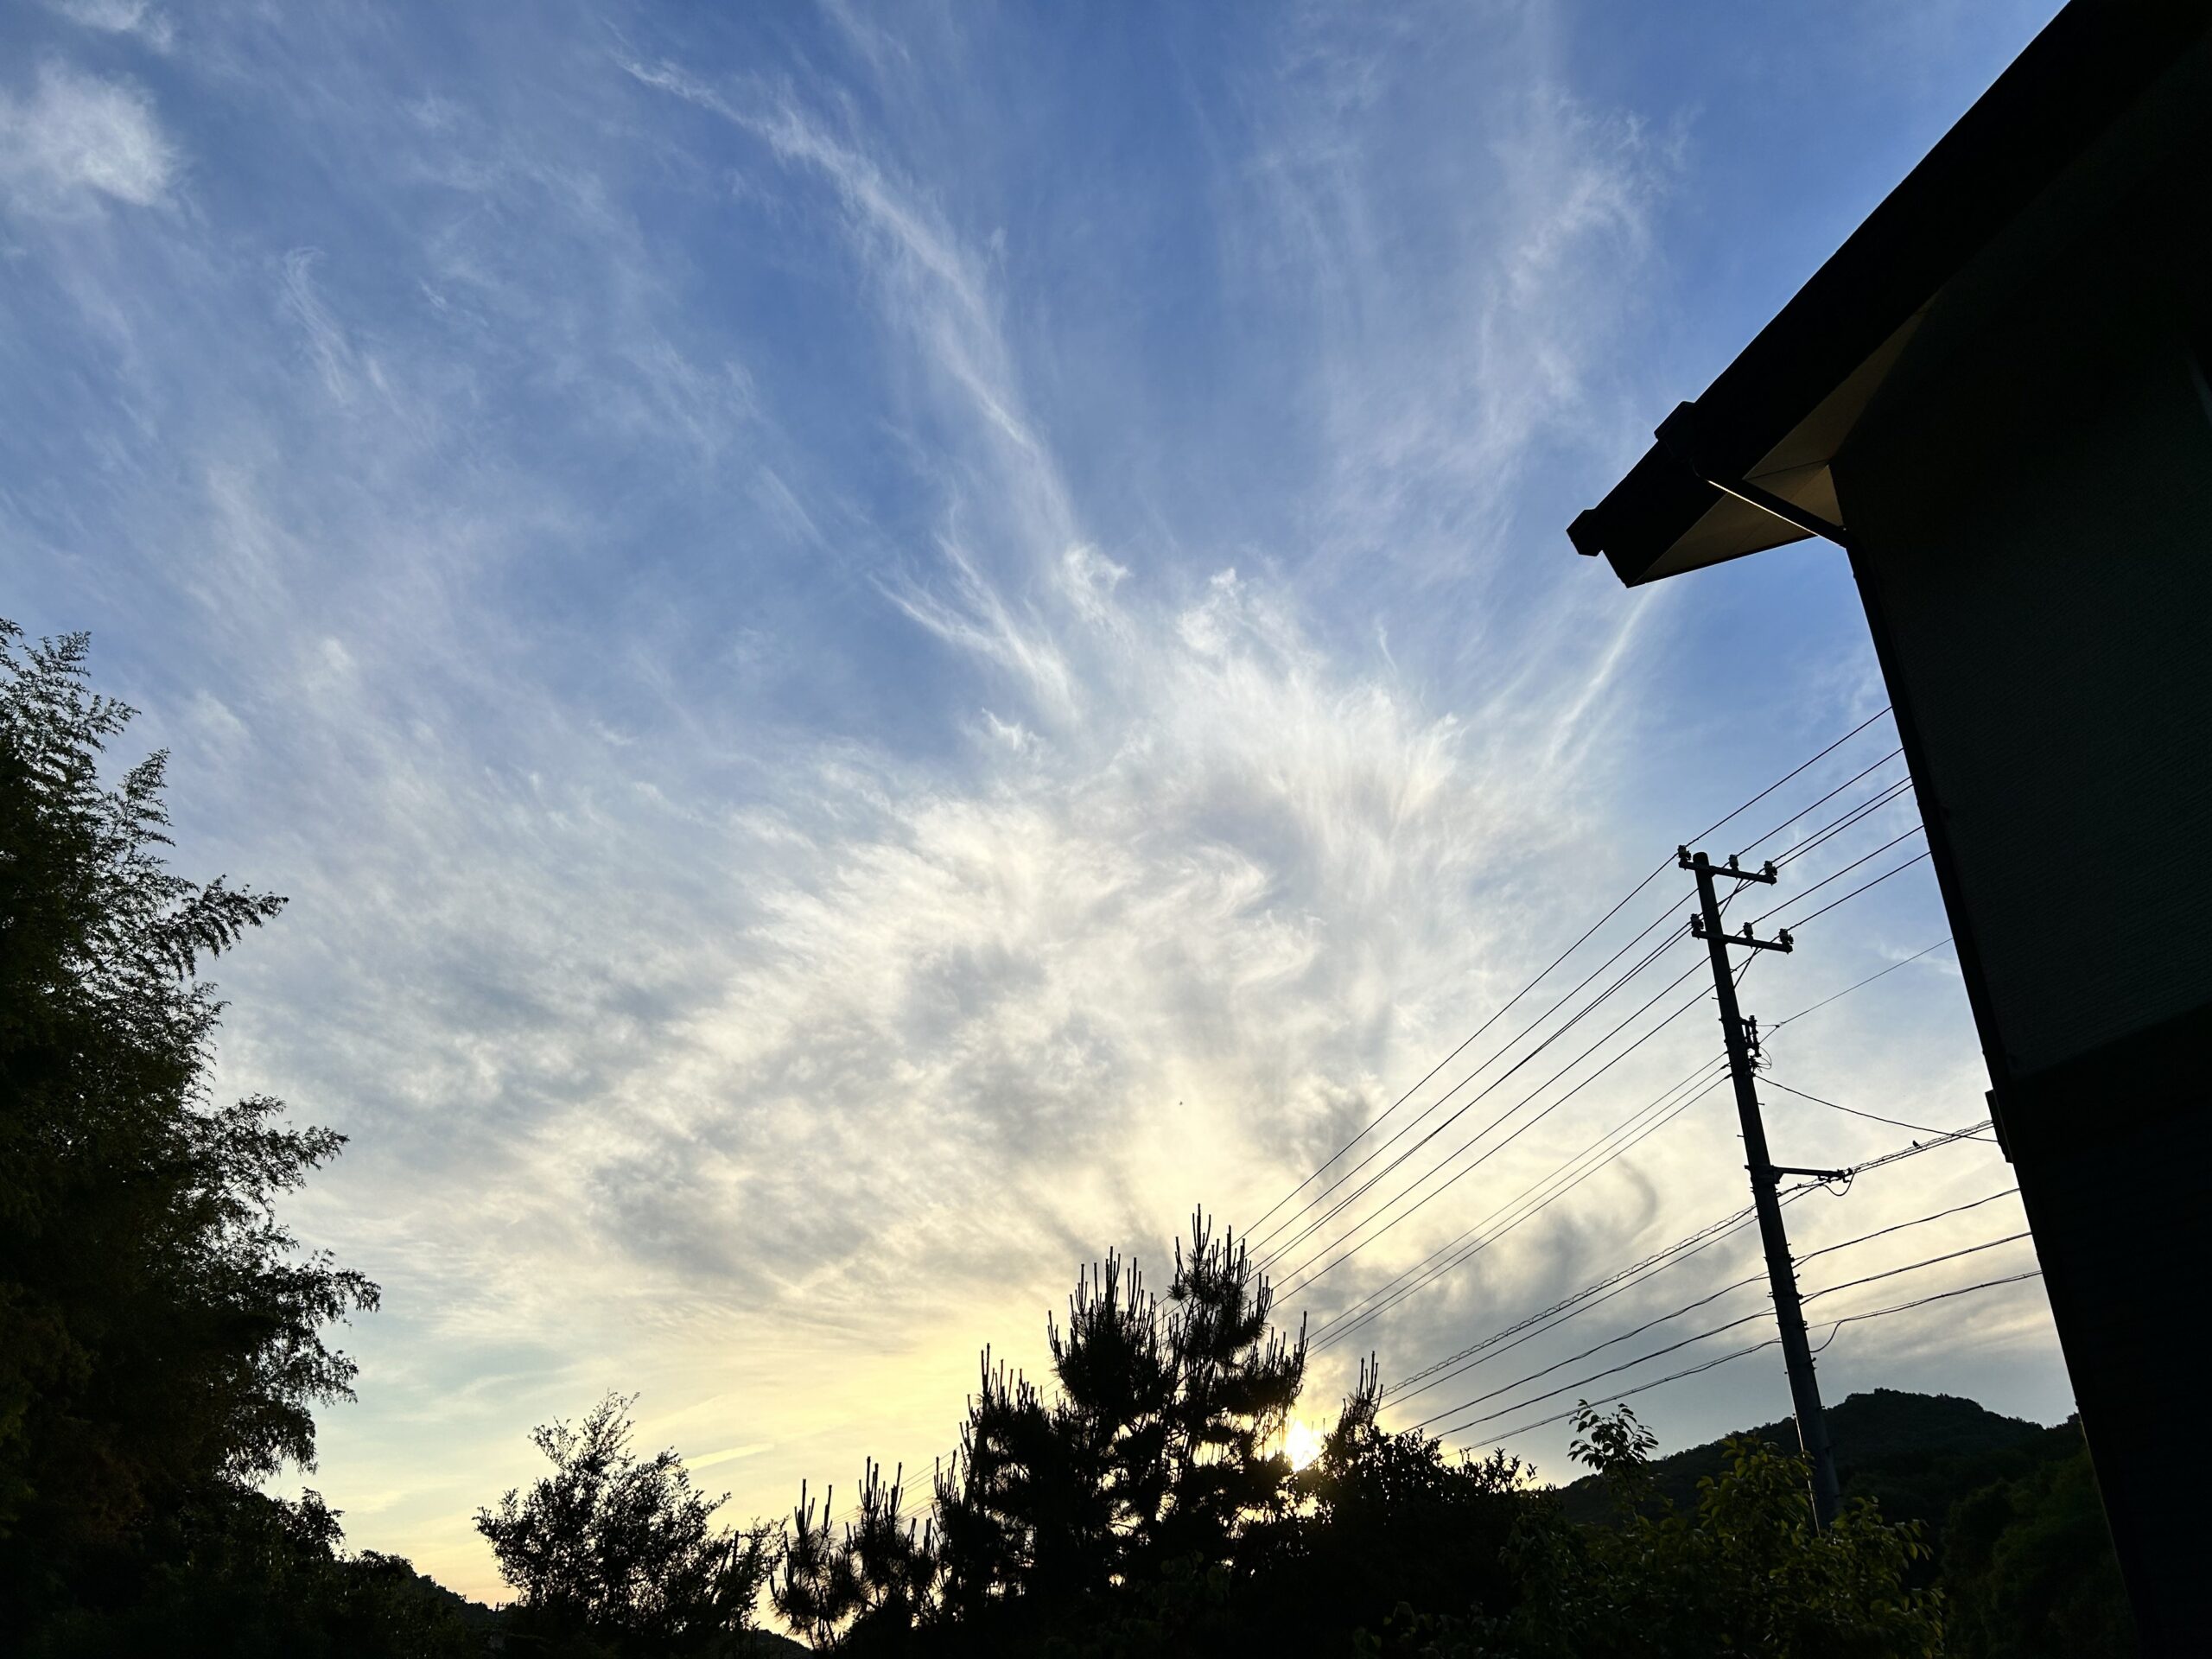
<point x="770" y="1061"/>
<point x="148" y="21"/>
<point x="78" y="137"/>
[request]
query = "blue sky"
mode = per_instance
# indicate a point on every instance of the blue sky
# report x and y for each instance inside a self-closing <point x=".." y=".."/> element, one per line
<point x="880" y="646"/>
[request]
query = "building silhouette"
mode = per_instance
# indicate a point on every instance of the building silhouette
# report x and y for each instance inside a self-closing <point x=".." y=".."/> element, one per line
<point x="1994" y="397"/>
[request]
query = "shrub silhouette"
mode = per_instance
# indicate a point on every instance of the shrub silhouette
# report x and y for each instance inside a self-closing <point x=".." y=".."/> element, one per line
<point x="623" y="1550"/>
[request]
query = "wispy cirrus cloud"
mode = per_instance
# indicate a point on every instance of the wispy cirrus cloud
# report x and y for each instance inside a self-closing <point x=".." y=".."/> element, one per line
<point x="141" y="19"/>
<point x="863" y="688"/>
<point x="74" y="140"/>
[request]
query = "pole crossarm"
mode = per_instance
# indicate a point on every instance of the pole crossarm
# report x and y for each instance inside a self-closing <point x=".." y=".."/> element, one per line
<point x="1766" y="873"/>
<point x="1781" y="941"/>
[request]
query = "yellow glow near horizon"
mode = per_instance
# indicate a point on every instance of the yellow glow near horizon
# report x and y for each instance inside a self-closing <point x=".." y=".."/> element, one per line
<point x="1301" y="1443"/>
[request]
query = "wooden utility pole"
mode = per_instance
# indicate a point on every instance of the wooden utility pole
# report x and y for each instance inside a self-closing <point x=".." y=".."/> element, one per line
<point x="1781" y="1271"/>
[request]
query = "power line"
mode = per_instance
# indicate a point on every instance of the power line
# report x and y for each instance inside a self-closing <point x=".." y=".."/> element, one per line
<point x="1861" y="984"/>
<point x="1769" y="1079"/>
<point x="1389" y="1295"/>
<point x="1706" y="1365"/>
<point x="1483" y="1353"/>
<point x="1626" y="1394"/>
<point x="1625" y="1335"/>
<point x="1828" y="832"/>
<point x="1749" y="846"/>
<point x="1914" y="1267"/>
<point x="1581" y="1382"/>
<point x="1381" y="1295"/>
<point x="1619" y="905"/>
<point x="1722" y="821"/>
<point x="1671" y="1348"/>
<point x="1948" y="1137"/>
<point x="1282" y="1248"/>
<point x="1856" y="891"/>
<point x="1626" y="1278"/>
<point x="1342" y="1325"/>
<point x="1898" y="1227"/>
<point x="1593" y="1295"/>
<point x="1837" y="875"/>
<point x="1274" y="1251"/>
<point x="1308" y="1279"/>
<point x="1922" y="1301"/>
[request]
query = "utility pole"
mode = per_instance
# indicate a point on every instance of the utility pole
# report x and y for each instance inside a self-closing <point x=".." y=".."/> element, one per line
<point x="1781" y="1271"/>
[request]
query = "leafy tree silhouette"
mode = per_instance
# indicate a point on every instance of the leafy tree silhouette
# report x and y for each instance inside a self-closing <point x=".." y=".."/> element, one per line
<point x="2028" y="1565"/>
<point x="1381" y="1518"/>
<point x="1743" y="1573"/>
<point x="160" y="1334"/>
<point x="622" y="1550"/>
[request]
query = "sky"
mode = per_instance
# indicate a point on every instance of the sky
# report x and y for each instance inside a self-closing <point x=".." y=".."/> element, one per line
<point x="882" y="647"/>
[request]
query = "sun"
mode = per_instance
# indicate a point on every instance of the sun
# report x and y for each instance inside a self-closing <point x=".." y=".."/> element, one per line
<point x="1301" y="1443"/>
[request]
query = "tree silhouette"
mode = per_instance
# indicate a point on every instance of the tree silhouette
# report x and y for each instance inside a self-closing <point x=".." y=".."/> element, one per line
<point x="1156" y="1451"/>
<point x="866" y="1589"/>
<point x="2028" y="1565"/>
<point x="160" y="1331"/>
<point x="623" y="1549"/>
<point x="1383" y="1518"/>
<point x="1744" y="1572"/>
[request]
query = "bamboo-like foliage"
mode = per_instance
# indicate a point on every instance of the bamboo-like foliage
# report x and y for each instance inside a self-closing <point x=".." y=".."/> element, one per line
<point x="161" y="1333"/>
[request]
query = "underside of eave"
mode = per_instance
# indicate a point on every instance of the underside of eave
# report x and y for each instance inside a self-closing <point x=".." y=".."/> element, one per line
<point x="1789" y="401"/>
<point x="1710" y="527"/>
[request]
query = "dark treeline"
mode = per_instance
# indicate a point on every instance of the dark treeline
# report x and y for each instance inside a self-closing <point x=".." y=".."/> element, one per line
<point x="165" y="1344"/>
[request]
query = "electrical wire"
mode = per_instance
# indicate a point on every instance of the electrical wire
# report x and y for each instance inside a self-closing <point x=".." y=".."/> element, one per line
<point x="1899" y="1227"/>
<point x="1386" y="1296"/>
<point x="1856" y="891"/>
<point x="1664" y="1098"/>
<point x="1671" y="1348"/>
<point x="1482" y="1353"/>
<point x="1861" y="984"/>
<point x="1683" y="1249"/>
<point x="1649" y="1325"/>
<point x="1948" y="1137"/>
<point x="1750" y="845"/>
<point x="1581" y="1382"/>
<point x="1277" y="1251"/>
<point x="1828" y="832"/>
<point x="1768" y="1078"/>
<point x="1626" y="1394"/>
<point x="1272" y="1251"/>
<point x="1595" y="1294"/>
<point x="1344" y="1323"/>
<point x="1922" y="1301"/>
<point x="1838" y="875"/>
<point x="1304" y="1282"/>
<point x="1619" y="905"/>
<point x="1914" y="1267"/>
<point x="1706" y="1365"/>
<point x="1304" y="1279"/>
<point x="1722" y="822"/>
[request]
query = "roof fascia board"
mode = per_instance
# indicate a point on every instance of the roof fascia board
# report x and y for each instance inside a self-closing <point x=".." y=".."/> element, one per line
<point x="2093" y="60"/>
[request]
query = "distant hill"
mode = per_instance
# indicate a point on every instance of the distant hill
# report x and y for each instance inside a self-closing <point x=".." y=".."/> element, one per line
<point x="1915" y="1454"/>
